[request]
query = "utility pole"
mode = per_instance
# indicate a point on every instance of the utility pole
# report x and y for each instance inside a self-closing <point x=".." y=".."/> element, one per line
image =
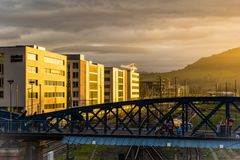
<point x="31" y="83"/>
<point x="17" y="96"/>
<point x="160" y="86"/>
<point x="235" y="88"/>
<point x="10" y="105"/>
<point x="175" y="86"/>
<point x="226" y="87"/>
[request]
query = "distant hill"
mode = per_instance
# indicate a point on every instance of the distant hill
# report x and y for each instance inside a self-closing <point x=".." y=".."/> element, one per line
<point x="205" y="73"/>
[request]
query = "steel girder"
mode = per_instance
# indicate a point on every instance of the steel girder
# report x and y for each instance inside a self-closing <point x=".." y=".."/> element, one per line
<point x="140" y="117"/>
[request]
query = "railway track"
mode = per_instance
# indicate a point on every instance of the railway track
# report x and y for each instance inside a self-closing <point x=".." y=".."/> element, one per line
<point x="56" y="147"/>
<point x="141" y="153"/>
<point x="154" y="154"/>
<point x="132" y="153"/>
<point x="193" y="154"/>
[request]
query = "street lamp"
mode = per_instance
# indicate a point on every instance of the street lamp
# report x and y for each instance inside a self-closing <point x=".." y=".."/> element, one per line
<point x="10" y="105"/>
<point x="31" y="83"/>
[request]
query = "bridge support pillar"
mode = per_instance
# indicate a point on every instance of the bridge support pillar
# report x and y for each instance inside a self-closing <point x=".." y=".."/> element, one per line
<point x="32" y="150"/>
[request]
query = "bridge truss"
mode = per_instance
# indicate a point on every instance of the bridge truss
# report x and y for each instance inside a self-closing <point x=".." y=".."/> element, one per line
<point x="134" y="118"/>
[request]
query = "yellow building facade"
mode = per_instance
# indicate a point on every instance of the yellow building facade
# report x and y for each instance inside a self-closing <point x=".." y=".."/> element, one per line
<point x="121" y="84"/>
<point x="133" y="85"/>
<point x="85" y="81"/>
<point x="115" y="82"/>
<point x="39" y="79"/>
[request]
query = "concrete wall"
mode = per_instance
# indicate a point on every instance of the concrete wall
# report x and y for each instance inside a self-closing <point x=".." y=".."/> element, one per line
<point x="14" y="71"/>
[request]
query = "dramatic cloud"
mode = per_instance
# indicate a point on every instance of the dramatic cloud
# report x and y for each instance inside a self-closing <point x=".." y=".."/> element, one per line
<point x="102" y="49"/>
<point x="157" y="35"/>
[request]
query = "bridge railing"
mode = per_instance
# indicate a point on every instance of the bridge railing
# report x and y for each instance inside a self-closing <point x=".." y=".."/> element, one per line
<point x="38" y="127"/>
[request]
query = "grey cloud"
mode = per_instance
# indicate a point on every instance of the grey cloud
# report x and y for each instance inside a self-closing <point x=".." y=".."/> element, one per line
<point x="9" y="36"/>
<point x="144" y="31"/>
<point x="80" y="15"/>
<point x="102" y="49"/>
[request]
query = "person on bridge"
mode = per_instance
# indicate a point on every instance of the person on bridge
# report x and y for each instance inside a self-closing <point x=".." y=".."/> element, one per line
<point x="230" y="123"/>
<point x="170" y="119"/>
<point x="178" y="131"/>
<point x="170" y="128"/>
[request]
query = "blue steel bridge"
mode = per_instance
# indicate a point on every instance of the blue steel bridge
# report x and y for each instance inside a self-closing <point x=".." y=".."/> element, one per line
<point x="133" y="123"/>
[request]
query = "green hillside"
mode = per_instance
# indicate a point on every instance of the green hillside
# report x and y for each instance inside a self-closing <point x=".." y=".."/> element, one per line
<point x="206" y="72"/>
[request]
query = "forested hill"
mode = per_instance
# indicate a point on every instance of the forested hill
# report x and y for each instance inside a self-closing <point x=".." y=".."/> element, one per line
<point x="206" y="72"/>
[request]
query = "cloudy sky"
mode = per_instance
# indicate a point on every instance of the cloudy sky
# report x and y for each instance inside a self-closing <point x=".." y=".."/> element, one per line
<point x="157" y="35"/>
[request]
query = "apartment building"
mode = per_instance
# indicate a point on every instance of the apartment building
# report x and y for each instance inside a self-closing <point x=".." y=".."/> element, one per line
<point x="85" y="81"/>
<point x="121" y="84"/>
<point x="115" y="84"/>
<point x="133" y="84"/>
<point x="39" y="79"/>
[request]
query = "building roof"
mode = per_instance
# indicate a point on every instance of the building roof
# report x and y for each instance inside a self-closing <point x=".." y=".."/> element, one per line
<point x="27" y="45"/>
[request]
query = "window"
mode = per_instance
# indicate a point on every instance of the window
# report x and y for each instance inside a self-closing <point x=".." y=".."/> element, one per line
<point x="93" y="77"/>
<point x="1" y="69"/>
<point x="120" y="80"/>
<point x="93" y="94"/>
<point x="1" y="56"/>
<point x="120" y="94"/>
<point x="135" y="93"/>
<point x="107" y="93"/>
<point x="16" y="58"/>
<point x="53" y="94"/>
<point x="68" y="75"/>
<point x="135" y="87"/>
<point x="54" y="83"/>
<point x="34" y="82"/>
<point x="1" y="82"/>
<point x="107" y="86"/>
<point x="75" y="65"/>
<point x="32" y="69"/>
<point x="75" y="75"/>
<point x="93" y="86"/>
<point x="135" y="76"/>
<point x="53" y="60"/>
<point x="54" y="72"/>
<point x="106" y="79"/>
<point x="120" y="87"/>
<point x="106" y="72"/>
<point x="75" y="94"/>
<point x="32" y="56"/>
<point x="120" y="99"/>
<point x="75" y="103"/>
<point x="135" y="81"/>
<point x="32" y="95"/>
<point x="93" y="69"/>
<point x="120" y="73"/>
<point x="1" y="94"/>
<point x="75" y="84"/>
<point x="54" y="106"/>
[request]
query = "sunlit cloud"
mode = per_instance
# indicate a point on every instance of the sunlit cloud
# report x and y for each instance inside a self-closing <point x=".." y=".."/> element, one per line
<point x="157" y="35"/>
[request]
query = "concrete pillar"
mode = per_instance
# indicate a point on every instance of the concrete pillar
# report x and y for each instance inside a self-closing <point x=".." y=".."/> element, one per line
<point x="32" y="151"/>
